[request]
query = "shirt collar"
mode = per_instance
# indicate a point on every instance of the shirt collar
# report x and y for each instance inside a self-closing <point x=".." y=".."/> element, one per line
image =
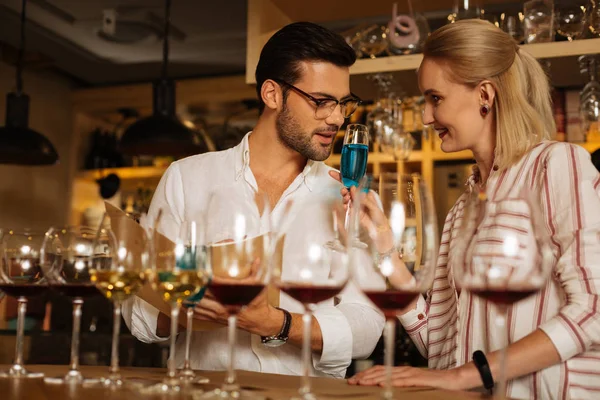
<point x="242" y="157"/>
<point x="242" y="162"/>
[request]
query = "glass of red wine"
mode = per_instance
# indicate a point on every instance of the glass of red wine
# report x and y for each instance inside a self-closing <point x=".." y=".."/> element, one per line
<point x="310" y="271"/>
<point x="67" y="258"/>
<point x="502" y="254"/>
<point x="238" y="236"/>
<point x="21" y="277"/>
<point x="393" y="214"/>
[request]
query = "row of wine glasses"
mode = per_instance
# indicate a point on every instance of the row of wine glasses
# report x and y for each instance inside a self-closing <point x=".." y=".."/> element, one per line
<point x="388" y="250"/>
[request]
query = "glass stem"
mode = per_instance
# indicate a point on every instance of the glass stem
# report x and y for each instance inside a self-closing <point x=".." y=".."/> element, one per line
<point x="22" y="304"/>
<point x="188" y="337"/>
<point x="77" y="303"/>
<point x="174" y="320"/>
<point x="501" y="324"/>
<point x="389" y="338"/>
<point x="306" y="351"/>
<point x="114" y="357"/>
<point x="230" y="379"/>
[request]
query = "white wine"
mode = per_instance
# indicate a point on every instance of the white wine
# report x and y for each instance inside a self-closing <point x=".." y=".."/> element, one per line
<point x="117" y="285"/>
<point x="178" y="285"/>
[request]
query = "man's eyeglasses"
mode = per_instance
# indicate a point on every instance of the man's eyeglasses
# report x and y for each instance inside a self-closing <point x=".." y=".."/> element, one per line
<point x="326" y="106"/>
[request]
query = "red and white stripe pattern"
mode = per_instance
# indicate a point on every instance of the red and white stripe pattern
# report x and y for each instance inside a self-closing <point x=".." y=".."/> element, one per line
<point x="450" y="326"/>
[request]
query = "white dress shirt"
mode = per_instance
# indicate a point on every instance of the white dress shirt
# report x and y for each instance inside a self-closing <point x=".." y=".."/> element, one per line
<point x="350" y="329"/>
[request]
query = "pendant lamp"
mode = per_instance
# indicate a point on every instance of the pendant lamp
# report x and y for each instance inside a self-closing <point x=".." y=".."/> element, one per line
<point x="162" y="133"/>
<point x="19" y="144"/>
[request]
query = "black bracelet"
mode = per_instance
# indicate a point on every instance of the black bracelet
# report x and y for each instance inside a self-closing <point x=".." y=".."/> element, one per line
<point x="483" y="367"/>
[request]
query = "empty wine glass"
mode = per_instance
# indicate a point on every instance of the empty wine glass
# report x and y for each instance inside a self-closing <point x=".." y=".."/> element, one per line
<point x="374" y="41"/>
<point x="310" y="272"/>
<point x="396" y="219"/>
<point x="502" y="254"/>
<point x="589" y="99"/>
<point x="570" y="21"/>
<point x="66" y="259"/>
<point x="465" y="9"/>
<point x="593" y="16"/>
<point x="539" y="21"/>
<point x="179" y="270"/>
<point x="513" y="25"/>
<point x="21" y="277"/>
<point x="119" y="272"/>
<point x="237" y="232"/>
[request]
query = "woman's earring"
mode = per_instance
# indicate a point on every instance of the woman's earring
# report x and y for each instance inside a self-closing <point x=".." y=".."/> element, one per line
<point x="484" y="110"/>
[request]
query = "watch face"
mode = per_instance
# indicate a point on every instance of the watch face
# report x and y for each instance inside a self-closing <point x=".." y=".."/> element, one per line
<point x="274" y="342"/>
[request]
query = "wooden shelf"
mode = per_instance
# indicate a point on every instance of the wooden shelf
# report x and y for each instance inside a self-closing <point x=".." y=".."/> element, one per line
<point x="538" y="50"/>
<point x="123" y="173"/>
<point x="265" y="17"/>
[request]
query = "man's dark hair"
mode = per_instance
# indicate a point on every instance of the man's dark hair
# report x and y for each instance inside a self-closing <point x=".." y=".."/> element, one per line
<point x="301" y="41"/>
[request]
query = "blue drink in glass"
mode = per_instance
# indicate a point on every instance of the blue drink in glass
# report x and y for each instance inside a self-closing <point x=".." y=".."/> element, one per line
<point x="353" y="163"/>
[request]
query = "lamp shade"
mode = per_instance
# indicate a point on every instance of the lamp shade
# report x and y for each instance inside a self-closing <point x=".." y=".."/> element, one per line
<point x="162" y="133"/>
<point x="19" y="144"/>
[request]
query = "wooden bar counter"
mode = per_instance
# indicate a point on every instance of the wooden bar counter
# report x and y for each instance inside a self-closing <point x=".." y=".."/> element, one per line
<point x="270" y="386"/>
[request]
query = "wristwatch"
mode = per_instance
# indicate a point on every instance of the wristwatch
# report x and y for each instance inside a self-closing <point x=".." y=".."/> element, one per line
<point x="282" y="337"/>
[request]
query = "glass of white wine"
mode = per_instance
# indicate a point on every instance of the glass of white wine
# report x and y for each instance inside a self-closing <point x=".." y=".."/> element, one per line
<point x="119" y="272"/>
<point x="180" y="270"/>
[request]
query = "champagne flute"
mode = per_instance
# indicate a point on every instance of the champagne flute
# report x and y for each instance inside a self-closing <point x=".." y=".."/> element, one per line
<point x="66" y="259"/>
<point x="238" y="232"/>
<point x="21" y="277"/>
<point x="119" y="271"/>
<point x="355" y="153"/>
<point x="396" y="219"/>
<point x="353" y="166"/>
<point x="313" y="272"/>
<point x="502" y="254"/>
<point x="179" y="272"/>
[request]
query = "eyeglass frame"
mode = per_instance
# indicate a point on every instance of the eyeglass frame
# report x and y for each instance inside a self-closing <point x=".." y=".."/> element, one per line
<point x="318" y="102"/>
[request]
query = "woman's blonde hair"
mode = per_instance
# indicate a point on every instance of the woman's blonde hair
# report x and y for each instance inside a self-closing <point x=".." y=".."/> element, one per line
<point x="475" y="51"/>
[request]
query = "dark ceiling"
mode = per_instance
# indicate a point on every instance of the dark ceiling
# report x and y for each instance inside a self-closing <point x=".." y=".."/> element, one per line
<point x="208" y="38"/>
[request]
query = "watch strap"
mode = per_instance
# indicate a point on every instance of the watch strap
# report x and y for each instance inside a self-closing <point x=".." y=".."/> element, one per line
<point x="285" y="328"/>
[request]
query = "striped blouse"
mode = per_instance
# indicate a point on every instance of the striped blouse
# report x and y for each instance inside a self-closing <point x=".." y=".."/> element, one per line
<point x="448" y="327"/>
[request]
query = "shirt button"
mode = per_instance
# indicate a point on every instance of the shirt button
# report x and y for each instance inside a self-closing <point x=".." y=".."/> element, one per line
<point x="420" y="316"/>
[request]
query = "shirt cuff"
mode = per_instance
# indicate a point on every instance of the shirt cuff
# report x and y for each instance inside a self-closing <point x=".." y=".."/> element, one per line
<point x="143" y="321"/>
<point x="415" y="319"/>
<point x="337" y="342"/>
<point x="561" y="335"/>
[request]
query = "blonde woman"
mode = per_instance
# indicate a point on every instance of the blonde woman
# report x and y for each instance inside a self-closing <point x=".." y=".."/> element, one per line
<point x="486" y="95"/>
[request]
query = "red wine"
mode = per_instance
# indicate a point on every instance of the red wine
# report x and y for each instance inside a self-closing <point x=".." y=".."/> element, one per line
<point x="309" y="294"/>
<point x="22" y="290"/>
<point x="504" y="297"/>
<point x="74" y="290"/>
<point x="231" y="294"/>
<point x="391" y="301"/>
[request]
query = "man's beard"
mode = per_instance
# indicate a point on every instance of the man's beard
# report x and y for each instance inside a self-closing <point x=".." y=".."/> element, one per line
<point x="292" y="135"/>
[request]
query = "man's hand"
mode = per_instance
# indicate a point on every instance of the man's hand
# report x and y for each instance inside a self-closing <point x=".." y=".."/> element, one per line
<point x="258" y="317"/>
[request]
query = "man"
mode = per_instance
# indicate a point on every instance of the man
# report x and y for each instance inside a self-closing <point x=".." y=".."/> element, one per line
<point x="303" y="88"/>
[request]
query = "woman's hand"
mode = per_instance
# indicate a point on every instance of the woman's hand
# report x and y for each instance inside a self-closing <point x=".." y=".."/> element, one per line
<point x="409" y="376"/>
<point x="372" y="217"/>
